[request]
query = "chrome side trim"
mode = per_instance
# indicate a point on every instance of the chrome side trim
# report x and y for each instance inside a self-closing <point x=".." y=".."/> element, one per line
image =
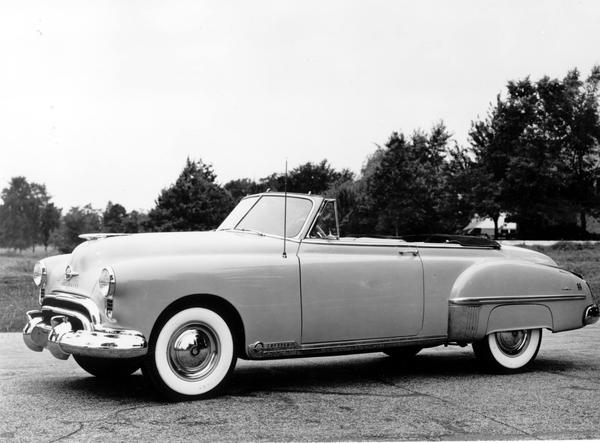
<point x="398" y="243"/>
<point x="515" y="299"/>
<point x="342" y="242"/>
<point x="261" y="350"/>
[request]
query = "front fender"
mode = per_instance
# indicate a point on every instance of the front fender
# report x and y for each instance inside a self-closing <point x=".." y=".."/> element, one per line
<point x="55" y="269"/>
<point x="263" y="288"/>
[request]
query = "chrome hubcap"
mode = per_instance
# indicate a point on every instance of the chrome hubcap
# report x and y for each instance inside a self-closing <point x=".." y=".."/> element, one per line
<point x="513" y="342"/>
<point x="194" y="351"/>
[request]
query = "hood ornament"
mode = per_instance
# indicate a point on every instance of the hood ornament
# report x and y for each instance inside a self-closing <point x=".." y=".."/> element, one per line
<point x="69" y="272"/>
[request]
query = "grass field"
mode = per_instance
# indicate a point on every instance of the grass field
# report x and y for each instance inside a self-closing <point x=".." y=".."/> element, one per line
<point x="583" y="258"/>
<point x="17" y="291"/>
<point x="18" y="294"/>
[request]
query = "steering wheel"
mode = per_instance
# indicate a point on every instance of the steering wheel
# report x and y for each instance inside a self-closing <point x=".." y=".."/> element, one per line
<point x="320" y="233"/>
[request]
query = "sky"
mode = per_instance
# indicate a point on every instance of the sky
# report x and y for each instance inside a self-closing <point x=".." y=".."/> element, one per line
<point x="104" y="100"/>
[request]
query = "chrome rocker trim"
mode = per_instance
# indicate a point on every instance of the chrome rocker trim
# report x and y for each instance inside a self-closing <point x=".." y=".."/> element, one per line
<point x="92" y="341"/>
<point x="291" y="349"/>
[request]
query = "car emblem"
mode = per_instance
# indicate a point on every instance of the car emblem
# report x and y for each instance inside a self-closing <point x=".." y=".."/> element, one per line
<point x="70" y="273"/>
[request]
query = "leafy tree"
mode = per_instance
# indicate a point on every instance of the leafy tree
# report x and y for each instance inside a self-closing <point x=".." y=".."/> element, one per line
<point x="194" y="202"/>
<point x="239" y="188"/>
<point x="114" y="217"/>
<point x="536" y="173"/>
<point x="492" y="149"/>
<point x="21" y="223"/>
<point x="581" y="118"/>
<point x="49" y="221"/>
<point x="274" y="183"/>
<point x="407" y="185"/>
<point x="134" y="222"/>
<point x="454" y="206"/>
<point x="75" y="222"/>
<point x="517" y="169"/>
<point x="315" y="178"/>
<point x="537" y="153"/>
<point x="355" y="206"/>
<point x="16" y="226"/>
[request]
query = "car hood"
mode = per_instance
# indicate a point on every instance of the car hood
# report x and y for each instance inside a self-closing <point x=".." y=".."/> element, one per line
<point x="88" y="259"/>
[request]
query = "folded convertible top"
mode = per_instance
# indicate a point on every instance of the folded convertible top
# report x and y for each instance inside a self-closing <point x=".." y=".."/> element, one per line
<point x="463" y="240"/>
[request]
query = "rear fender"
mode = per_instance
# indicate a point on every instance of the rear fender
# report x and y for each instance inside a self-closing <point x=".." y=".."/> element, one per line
<point x="501" y="295"/>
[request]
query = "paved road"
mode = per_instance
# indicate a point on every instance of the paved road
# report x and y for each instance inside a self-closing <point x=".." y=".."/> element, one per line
<point x="440" y="395"/>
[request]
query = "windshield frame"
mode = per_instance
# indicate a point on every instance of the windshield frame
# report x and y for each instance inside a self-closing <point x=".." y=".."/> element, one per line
<point x="256" y="198"/>
<point x="321" y="208"/>
<point x="315" y="206"/>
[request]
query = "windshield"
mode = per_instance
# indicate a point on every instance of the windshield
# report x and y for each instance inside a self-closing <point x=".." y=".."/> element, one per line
<point x="266" y="215"/>
<point x="238" y="212"/>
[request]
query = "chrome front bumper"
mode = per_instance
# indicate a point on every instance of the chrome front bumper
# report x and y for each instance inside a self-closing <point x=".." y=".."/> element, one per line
<point x="61" y="340"/>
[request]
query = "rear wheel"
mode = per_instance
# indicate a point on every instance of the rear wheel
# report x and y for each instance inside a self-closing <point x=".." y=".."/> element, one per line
<point x="509" y="351"/>
<point x="109" y="367"/>
<point x="191" y="356"/>
<point x="404" y="352"/>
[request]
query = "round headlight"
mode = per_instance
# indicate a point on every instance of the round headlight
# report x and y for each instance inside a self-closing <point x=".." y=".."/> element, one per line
<point x="107" y="282"/>
<point x="39" y="273"/>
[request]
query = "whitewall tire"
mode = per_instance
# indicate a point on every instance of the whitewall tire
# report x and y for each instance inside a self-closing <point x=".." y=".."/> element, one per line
<point x="192" y="354"/>
<point x="509" y="351"/>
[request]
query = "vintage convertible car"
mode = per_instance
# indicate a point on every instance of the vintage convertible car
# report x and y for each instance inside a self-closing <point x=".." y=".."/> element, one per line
<point x="184" y="306"/>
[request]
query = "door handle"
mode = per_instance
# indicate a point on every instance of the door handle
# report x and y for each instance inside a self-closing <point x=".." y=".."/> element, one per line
<point x="411" y="251"/>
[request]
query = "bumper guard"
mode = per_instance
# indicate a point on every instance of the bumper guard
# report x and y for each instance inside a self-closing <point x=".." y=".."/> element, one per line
<point x="61" y="340"/>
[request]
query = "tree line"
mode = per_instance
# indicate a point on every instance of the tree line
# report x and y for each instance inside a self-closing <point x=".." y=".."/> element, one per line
<point x="535" y="156"/>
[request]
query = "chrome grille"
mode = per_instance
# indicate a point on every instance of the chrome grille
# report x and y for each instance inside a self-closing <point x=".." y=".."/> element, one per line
<point x="71" y="305"/>
<point x="66" y="304"/>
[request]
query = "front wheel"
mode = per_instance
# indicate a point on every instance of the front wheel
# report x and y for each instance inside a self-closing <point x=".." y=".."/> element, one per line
<point x="509" y="351"/>
<point x="109" y="368"/>
<point x="191" y="356"/>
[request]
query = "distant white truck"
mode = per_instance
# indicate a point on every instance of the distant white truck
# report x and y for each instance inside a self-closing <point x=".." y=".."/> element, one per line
<point x="484" y="226"/>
